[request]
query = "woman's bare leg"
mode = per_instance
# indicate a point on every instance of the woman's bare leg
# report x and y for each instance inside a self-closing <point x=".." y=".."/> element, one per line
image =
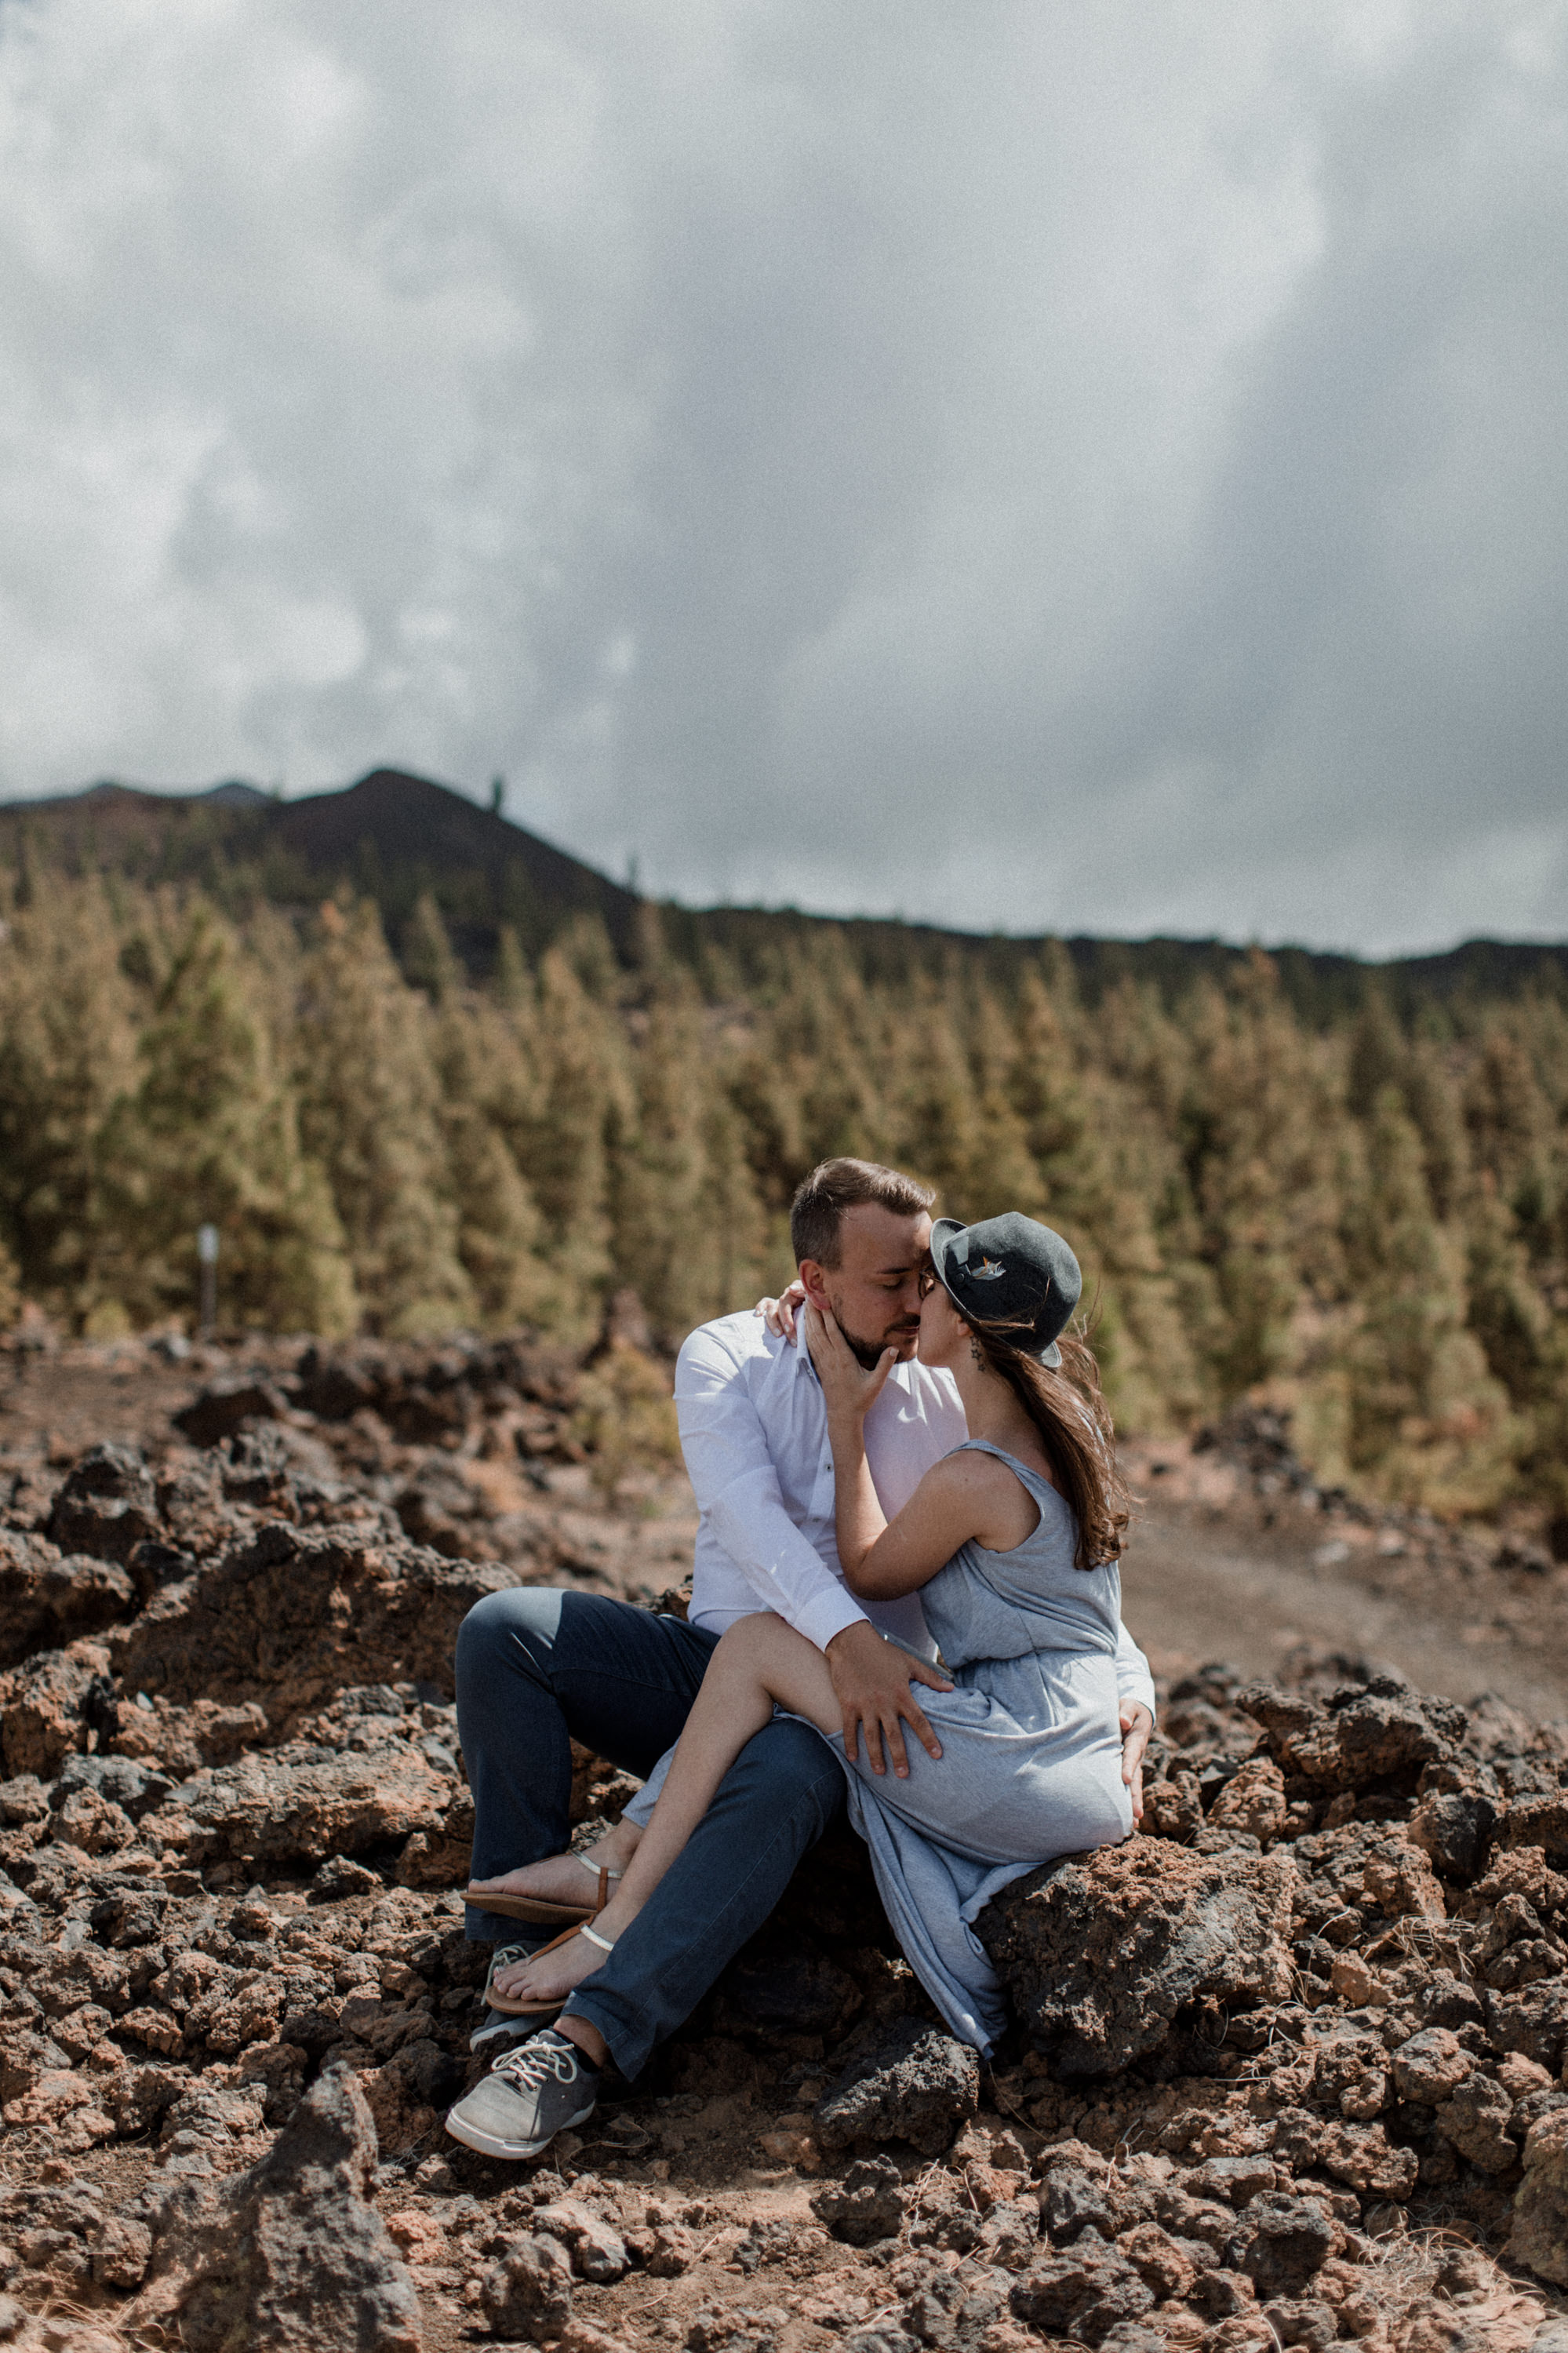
<point x="759" y="1663"/>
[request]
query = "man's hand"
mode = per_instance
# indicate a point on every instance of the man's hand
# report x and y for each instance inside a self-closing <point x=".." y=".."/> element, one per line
<point x="1137" y="1723"/>
<point x="872" y="1680"/>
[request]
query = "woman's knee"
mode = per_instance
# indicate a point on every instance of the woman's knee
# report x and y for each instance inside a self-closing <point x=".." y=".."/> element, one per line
<point x="749" y="1640"/>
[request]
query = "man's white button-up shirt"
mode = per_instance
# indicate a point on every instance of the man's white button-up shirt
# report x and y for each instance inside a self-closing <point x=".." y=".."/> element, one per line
<point x="754" y="1428"/>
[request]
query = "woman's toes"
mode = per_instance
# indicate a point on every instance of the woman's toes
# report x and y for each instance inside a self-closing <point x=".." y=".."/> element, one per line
<point x="563" y="1970"/>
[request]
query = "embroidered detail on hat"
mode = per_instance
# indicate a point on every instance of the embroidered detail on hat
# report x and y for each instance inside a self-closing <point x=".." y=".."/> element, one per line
<point x="988" y="1271"/>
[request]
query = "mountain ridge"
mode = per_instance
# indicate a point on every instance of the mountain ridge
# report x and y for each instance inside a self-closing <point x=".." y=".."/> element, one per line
<point x="395" y="836"/>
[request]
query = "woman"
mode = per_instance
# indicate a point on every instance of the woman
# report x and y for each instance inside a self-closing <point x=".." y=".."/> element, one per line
<point x="1010" y="1542"/>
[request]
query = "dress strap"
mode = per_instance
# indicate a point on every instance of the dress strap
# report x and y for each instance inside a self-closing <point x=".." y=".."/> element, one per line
<point x="1033" y="1479"/>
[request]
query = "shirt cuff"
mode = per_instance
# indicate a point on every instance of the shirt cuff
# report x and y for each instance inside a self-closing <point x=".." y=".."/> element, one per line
<point x="829" y="1615"/>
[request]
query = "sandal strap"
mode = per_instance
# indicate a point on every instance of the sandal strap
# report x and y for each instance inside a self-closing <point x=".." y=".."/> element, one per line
<point x="603" y="1875"/>
<point x="606" y="1944"/>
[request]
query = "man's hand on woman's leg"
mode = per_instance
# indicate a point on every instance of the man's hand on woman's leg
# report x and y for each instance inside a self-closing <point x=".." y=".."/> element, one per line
<point x="871" y="1679"/>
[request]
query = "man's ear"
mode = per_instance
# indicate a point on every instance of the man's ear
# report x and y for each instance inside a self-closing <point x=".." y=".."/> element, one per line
<point x="811" y="1278"/>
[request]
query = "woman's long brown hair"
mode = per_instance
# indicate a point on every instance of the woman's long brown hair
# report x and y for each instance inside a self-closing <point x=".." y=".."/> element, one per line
<point x="1074" y="1422"/>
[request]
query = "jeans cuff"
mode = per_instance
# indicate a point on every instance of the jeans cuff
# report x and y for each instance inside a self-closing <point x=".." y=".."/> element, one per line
<point x="629" y="2033"/>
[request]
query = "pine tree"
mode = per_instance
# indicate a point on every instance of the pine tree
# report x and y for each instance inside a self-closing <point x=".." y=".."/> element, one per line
<point x="568" y="1072"/>
<point x="1509" y="1122"/>
<point x="1258" y="1123"/>
<point x="67" y="1060"/>
<point x="483" y="1080"/>
<point x="370" y="1115"/>
<point x="211" y="1136"/>
<point x="657" y="1169"/>
<point x="1425" y="1419"/>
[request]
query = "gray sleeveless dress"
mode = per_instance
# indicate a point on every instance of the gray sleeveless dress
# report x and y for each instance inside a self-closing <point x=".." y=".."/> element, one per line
<point x="1031" y="1761"/>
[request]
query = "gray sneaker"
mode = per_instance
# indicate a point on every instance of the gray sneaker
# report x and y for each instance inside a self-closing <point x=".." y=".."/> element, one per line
<point x="500" y="2026"/>
<point x="543" y="2087"/>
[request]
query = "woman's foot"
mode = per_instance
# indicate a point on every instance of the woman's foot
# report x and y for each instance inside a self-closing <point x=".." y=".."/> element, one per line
<point x="560" y="1878"/>
<point x="552" y="1976"/>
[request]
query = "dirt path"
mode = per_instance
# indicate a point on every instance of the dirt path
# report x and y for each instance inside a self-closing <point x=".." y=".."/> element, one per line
<point x="1199" y="1587"/>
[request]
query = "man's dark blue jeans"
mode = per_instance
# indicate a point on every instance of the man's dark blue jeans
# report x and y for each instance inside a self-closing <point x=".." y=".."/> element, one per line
<point x="537" y="1668"/>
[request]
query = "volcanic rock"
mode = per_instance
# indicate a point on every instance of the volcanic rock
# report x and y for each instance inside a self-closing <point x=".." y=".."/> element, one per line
<point x="43" y="1707"/>
<point x="225" y="1405"/>
<point x="279" y="1806"/>
<point x="528" y="2291"/>
<point x="1474" y="2118"/>
<point x="183" y="1740"/>
<point x="46" y="1600"/>
<point x="910" y="2082"/>
<point x="1100" y="1953"/>
<point x="786" y="1985"/>
<point x="440" y="1857"/>
<point x="1540" y="2236"/>
<point x="290" y="2255"/>
<point x="867" y="2205"/>
<point x="1368" y="1734"/>
<point x="1253" y="1800"/>
<point x="1539" y="1822"/>
<point x="597" y="2251"/>
<point x="1374" y="2009"/>
<point x="1282" y="2242"/>
<point x="1084" y="2293"/>
<point x="1303" y="2321"/>
<point x="288" y="1616"/>
<point x="1431" y="2066"/>
<point x="1455" y="1828"/>
<point x="1164" y="2267"/>
<point x="108" y="1505"/>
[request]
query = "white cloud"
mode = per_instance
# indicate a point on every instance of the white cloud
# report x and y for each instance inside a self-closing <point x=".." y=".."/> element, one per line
<point x="1087" y="466"/>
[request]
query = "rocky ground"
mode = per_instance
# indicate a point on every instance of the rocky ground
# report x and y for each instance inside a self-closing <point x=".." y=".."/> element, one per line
<point x="1288" y="2067"/>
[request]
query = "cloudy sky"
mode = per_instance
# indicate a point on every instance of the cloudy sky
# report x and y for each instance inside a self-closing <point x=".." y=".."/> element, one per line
<point x="1080" y="465"/>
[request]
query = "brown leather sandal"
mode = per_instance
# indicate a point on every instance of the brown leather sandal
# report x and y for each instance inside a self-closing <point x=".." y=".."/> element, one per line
<point x="538" y="1908"/>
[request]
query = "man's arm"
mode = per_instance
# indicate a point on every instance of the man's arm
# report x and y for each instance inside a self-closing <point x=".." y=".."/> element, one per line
<point x="737" y="1488"/>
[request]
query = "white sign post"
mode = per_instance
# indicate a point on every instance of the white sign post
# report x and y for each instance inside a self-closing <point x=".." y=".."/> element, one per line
<point x="206" y="1251"/>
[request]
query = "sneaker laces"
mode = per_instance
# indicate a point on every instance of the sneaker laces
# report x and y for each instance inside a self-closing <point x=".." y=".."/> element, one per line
<point x="539" y="2062"/>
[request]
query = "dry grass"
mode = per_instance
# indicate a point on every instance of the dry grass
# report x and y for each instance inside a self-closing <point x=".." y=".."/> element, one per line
<point x="1420" y="2268"/>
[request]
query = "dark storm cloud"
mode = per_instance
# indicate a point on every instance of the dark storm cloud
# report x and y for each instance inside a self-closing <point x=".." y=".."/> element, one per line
<point x="1081" y="466"/>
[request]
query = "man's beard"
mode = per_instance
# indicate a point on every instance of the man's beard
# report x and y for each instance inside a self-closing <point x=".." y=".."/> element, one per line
<point x="870" y="1353"/>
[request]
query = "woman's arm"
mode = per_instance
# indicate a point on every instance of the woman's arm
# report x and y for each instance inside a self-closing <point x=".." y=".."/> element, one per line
<point x="848" y="1391"/>
<point x="961" y="1497"/>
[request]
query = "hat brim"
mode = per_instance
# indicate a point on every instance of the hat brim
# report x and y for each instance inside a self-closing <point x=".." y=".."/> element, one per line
<point x="942" y="1238"/>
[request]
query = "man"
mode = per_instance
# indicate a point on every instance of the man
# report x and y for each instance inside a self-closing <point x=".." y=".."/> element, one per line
<point x="535" y="1668"/>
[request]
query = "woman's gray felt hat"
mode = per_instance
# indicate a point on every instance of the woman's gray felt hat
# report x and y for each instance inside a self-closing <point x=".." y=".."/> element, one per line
<point x="1010" y="1273"/>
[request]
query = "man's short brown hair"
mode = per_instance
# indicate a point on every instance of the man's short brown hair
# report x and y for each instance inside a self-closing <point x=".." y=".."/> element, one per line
<point x="835" y="1186"/>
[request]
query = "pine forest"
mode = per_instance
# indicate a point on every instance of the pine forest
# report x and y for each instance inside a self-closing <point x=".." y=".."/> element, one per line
<point x="1360" y="1217"/>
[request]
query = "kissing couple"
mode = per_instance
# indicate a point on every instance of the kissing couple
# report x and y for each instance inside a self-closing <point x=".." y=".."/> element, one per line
<point x="905" y="1603"/>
